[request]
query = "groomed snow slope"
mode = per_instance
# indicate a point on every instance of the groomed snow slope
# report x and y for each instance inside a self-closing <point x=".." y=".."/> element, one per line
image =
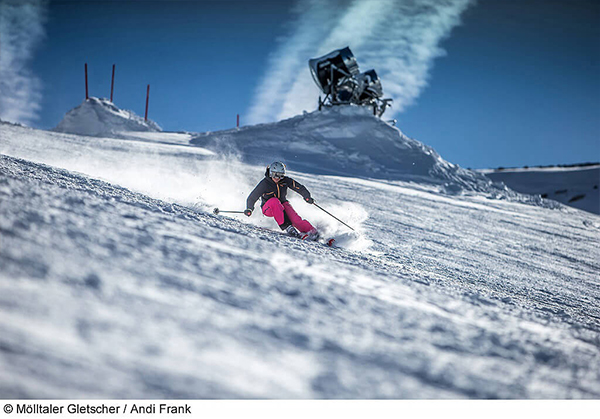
<point x="138" y="291"/>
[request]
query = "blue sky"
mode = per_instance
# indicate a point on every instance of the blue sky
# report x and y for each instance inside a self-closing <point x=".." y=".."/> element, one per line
<point x="518" y="82"/>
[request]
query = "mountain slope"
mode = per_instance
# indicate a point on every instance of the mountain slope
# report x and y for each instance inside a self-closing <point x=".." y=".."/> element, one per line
<point x="110" y="293"/>
<point x="117" y="281"/>
<point x="576" y="186"/>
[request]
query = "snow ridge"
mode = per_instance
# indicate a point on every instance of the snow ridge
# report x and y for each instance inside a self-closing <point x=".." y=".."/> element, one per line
<point x="575" y="186"/>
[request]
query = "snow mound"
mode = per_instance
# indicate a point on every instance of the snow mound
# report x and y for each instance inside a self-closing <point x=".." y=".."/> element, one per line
<point x="350" y="141"/>
<point x="100" y="117"/>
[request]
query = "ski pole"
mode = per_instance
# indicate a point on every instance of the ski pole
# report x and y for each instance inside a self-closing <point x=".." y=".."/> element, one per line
<point x="327" y="212"/>
<point x="216" y="211"/>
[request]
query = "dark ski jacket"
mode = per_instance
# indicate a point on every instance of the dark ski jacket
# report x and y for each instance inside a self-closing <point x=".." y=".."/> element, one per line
<point x="267" y="189"/>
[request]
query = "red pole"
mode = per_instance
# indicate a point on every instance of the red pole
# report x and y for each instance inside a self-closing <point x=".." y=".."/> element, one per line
<point x="86" y="84"/>
<point x="147" y="97"/>
<point x="112" y="84"/>
<point x="238" y="120"/>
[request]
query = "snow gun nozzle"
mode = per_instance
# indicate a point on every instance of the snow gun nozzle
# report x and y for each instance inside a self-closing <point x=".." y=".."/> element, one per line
<point x="216" y="211"/>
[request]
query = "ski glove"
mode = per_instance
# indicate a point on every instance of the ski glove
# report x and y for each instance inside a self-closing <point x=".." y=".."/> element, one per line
<point x="309" y="200"/>
<point x="248" y="212"/>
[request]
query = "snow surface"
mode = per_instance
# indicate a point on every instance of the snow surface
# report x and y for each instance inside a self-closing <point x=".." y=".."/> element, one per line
<point x="349" y="141"/>
<point x="574" y="186"/>
<point x="99" y="117"/>
<point x="117" y="281"/>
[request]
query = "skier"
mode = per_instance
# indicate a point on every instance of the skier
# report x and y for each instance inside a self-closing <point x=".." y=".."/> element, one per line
<point x="273" y="190"/>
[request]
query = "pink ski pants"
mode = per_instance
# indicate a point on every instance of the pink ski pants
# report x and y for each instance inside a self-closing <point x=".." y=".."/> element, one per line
<point x="274" y="208"/>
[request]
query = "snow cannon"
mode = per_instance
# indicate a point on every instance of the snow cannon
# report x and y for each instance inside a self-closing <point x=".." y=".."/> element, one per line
<point x="370" y="92"/>
<point x="338" y="77"/>
<point x="333" y="70"/>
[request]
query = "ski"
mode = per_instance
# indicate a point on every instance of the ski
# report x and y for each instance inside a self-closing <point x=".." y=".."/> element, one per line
<point x="330" y="242"/>
<point x="327" y="242"/>
<point x="316" y="239"/>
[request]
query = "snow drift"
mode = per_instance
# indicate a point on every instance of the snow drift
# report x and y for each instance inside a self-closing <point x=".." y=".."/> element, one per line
<point x="100" y="117"/>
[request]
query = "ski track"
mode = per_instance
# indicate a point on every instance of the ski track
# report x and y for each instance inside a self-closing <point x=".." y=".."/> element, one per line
<point x="109" y="293"/>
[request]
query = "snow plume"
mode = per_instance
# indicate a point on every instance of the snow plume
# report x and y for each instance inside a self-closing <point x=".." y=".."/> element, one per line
<point x="21" y="30"/>
<point x="352" y="214"/>
<point x="289" y="61"/>
<point x="398" y="38"/>
<point x="194" y="178"/>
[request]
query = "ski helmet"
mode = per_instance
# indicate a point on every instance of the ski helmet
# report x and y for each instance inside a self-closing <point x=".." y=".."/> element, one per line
<point x="277" y="169"/>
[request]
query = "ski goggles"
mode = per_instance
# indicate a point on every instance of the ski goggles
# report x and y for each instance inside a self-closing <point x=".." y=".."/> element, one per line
<point x="278" y="175"/>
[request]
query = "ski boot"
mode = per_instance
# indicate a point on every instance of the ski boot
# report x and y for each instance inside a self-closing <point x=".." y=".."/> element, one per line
<point x="291" y="230"/>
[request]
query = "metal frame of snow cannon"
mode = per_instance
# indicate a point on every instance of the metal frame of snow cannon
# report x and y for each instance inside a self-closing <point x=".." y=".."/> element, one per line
<point x="334" y="74"/>
<point x="338" y="77"/>
<point x="341" y="92"/>
<point x="330" y="69"/>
